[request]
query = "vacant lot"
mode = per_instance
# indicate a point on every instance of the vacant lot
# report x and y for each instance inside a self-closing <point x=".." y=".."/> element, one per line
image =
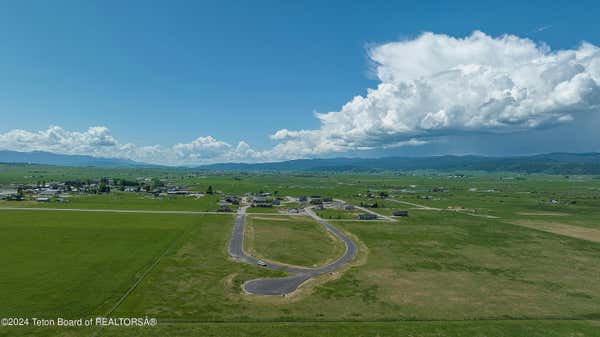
<point x="76" y="264"/>
<point x="579" y="232"/>
<point x="294" y="240"/>
<point x="432" y="266"/>
<point x="443" y="265"/>
<point x="198" y="281"/>
<point x="330" y="213"/>
<point x="264" y="209"/>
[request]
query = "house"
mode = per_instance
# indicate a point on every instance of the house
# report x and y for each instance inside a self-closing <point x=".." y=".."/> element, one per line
<point x="232" y="199"/>
<point x="302" y="198"/>
<point x="316" y="201"/>
<point x="177" y="192"/>
<point x="294" y="210"/>
<point x="367" y="216"/>
<point x="400" y="213"/>
<point x="259" y="199"/>
<point x="349" y="208"/>
<point x="8" y="195"/>
<point x="224" y="208"/>
<point x="327" y="199"/>
<point x="48" y="192"/>
<point x="261" y="202"/>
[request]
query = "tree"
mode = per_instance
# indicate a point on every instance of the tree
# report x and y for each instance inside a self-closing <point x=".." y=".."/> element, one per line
<point x="104" y="187"/>
<point x="19" y="193"/>
<point x="209" y="190"/>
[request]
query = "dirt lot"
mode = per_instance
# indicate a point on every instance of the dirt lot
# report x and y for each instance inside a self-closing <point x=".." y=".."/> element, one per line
<point x="583" y="233"/>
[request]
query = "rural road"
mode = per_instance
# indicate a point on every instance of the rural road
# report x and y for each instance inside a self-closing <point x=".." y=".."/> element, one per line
<point x="99" y="210"/>
<point x="428" y="208"/>
<point x="285" y="285"/>
<point x="380" y="216"/>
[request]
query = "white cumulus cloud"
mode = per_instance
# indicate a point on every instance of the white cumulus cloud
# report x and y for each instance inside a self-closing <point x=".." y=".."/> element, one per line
<point x="55" y="139"/>
<point x="436" y="85"/>
<point x="98" y="141"/>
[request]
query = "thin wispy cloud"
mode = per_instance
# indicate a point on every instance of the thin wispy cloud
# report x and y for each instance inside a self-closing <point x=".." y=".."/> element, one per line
<point x="542" y="28"/>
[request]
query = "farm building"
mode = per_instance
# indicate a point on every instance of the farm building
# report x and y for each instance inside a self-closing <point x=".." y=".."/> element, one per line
<point x="400" y="213"/>
<point x="367" y="216"/>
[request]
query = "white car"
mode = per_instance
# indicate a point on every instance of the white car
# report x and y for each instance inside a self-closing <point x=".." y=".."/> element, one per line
<point x="261" y="263"/>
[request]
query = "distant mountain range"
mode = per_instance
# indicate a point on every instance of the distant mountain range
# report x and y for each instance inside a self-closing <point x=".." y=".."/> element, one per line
<point x="48" y="158"/>
<point x="552" y="163"/>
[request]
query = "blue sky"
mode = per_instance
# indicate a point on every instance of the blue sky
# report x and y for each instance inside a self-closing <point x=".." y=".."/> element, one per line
<point x="147" y="78"/>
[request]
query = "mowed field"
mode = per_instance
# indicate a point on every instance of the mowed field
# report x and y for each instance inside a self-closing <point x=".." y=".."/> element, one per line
<point x="76" y="264"/>
<point x="293" y="240"/>
<point x="436" y="273"/>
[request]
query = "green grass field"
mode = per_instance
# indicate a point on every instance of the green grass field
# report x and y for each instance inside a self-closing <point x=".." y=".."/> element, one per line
<point x="264" y="209"/>
<point x="295" y="240"/>
<point x="76" y="264"/>
<point x="435" y="273"/>
<point x="506" y="328"/>
<point x="330" y="213"/>
<point x="459" y="269"/>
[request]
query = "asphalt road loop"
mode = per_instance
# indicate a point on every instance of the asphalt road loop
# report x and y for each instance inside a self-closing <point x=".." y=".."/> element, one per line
<point x="285" y="285"/>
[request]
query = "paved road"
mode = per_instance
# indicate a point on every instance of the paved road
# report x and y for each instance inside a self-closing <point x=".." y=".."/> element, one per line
<point x="130" y="211"/>
<point x="285" y="285"/>
<point x="105" y="210"/>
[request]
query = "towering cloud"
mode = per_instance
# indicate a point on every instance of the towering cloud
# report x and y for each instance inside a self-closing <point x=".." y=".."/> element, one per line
<point x="438" y="85"/>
